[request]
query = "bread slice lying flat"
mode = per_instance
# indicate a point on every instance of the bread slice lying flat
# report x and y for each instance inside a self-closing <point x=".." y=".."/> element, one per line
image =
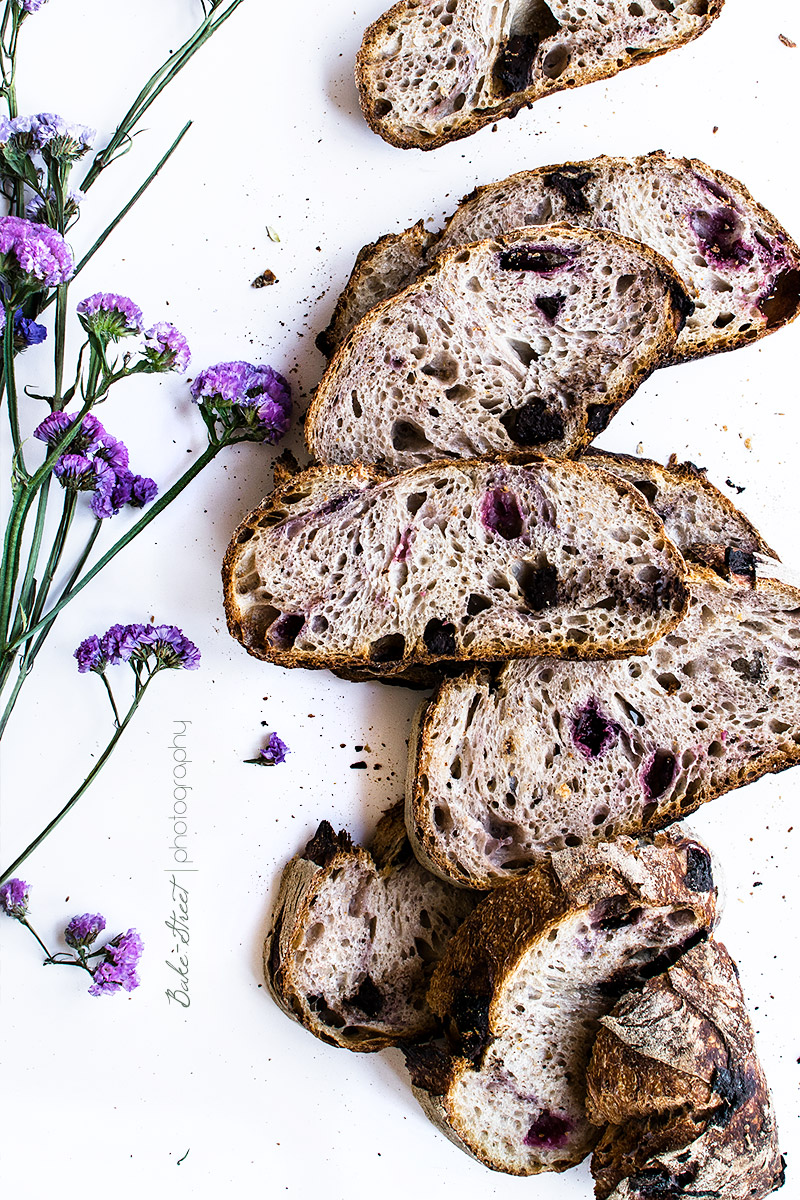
<point x="736" y="261"/>
<point x="528" y="342"/>
<point x="355" y="937"/>
<point x="451" y="562"/>
<point x="675" y="1078"/>
<point x="432" y="71"/>
<point x="507" y="768"/>
<point x="525" y="980"/>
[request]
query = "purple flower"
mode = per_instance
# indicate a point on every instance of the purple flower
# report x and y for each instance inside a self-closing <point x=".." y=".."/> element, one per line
<point x="26" y="331"/>
<point x="166" y="348"/>
<point x="255" y="399"/>
<point x="105" y="482"/>
<point x="53" y="428"/>
<point x="169" y="645"/>
<point x="90" y="655"/>
<point x="60" y="138"/>
<point x="275" y="751"/>
<point x="82" y="931"/>
<point x="76" y="471"/>
<point x="118" y="968"/>
<point x="33" y="256"/>
<point x="29" y="6"/>
<point x="143" y="490"/>
<point x="117" y="644"/>
<point x="109" y="316"/>
<point x="112" y="452"/>
<point x="43" y="208"/>
<point x="14" y="898"/>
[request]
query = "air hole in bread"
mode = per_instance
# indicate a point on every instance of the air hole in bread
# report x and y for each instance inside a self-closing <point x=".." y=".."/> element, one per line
<point x="555" y="62"/>
<point x="538" y="583"/>
<point x="533" y="424"/>
<point x="408" y="436"/>
<point x="388" y="649"/>
<point x="782" y="300"/>
<point x="440" y="638"/>
<point x="659" y="774"/>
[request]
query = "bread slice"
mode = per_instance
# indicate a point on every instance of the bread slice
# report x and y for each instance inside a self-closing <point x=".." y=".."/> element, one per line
<point x="431" y="71"/>
<point x="531" y="341"/>
<point x="355" y="937"/>
<point x="525" y="980"/>
<point x="481" y="561"/>
<point x="506" y="768"/>
<point x="735" y="260"/>
<point x="675" y="1078"/>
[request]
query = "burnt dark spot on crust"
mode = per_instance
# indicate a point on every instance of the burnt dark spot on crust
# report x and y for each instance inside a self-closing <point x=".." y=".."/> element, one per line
<point x="533" y="425"/>
<point x="569" y="182"/>
<point x="440" y="638"/>
<point x="543" y="260"/>
<point x="683" y="304"/>
<point x="659" y="1183"/>
<point x="782" y="300"/>
<point x="741" y="564"/>
<point x="659" y="774"/>
<point x="325" y="844"/>
<point x="734" y="1087"/>
<point x="630" y="977"/>
<point x="512" y="68"/>
<point x="598" y="416"/>
<point x="550" y="305"/>
<point x="538" y="583"/>
<point x="699" y="876"/>
<point x="615" y="912"/>
<point x="430" y="1068"/>
<point x="274" y="961"/>
<point x="368" y="999"/>
<point x="470" y="1023"/>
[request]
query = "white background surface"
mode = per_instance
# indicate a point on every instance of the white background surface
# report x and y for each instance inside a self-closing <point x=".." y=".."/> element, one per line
<point x="110" y="1093"/>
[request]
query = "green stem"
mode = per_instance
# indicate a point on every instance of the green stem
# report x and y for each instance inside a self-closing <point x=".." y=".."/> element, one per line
<point x="11" y="387"/>
<point x="157" y="507"/>
<point x="111" y="697"/>
<point x="56" y="552"/>
<point x="61" y="343"/>
<point x="24" y="921"/>
<point x="25" y="603"/>
<point x="88" y="781"/>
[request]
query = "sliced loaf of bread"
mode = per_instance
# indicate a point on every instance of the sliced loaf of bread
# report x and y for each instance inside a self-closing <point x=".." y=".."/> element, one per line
<point x="675" y="1079"/>
<point x="524" y="982"/>
<point x="355" y="937"/>
<point x="736" y="261"/>
<point x="505" y="768"/>
<point x="528" y="342"/>
<point x="432" y="71"/>
<point x="454" y="562"/>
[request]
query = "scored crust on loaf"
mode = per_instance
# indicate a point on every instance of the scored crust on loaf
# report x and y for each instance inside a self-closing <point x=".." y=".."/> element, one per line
<point x="736" y="261"/>
<point x="530" y="342"/>
<point x="523" y="983"/>
<point x="431" y="71"/>
<point x="675" y="1078"/>
<point x="451" y="562"/>
<point x="355" y="937"/>
<point x="504" y="769"/>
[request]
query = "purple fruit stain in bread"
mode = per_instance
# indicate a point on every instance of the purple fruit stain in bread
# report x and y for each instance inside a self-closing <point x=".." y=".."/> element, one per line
<point x="283" y="633"/>
<point x="592" y="732"/>
<point x="538" y="583"/>
<point x="550" y="1131"/>
<point x="543" y="260"/>
<point x="550" y="306"/>
<point x="659" y="774"/>
<point x="533" y="425"/>
<point x="699" y="876"/>
<point x="440" y="638"/>
<point x="713" y="187"/>
<point x="569" y="181"/>
<point x="500" y="513"/>
<point x="720" y="236"/>
<point x="782" y="300"/>
<point x="401" y="550"/>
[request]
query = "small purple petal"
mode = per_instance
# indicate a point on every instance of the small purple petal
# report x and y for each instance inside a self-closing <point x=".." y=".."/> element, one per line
<point x="90" y="655"/>
<point x="275" y="751"/>
<point x="14" y="898"/>
<point x="82" y="931"/>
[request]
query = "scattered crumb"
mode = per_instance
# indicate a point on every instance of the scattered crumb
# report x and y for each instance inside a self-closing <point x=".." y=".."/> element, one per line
<point x="787" y="41"/>
<point x="731" y="484"/>
<point x="715" y="129"/>
<point x="358" y="766"/>
<point x="639" y="448"/>
<point x="265" y="279"/>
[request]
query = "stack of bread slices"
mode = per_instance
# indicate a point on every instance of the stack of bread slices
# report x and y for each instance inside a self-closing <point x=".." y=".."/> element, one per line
<point x="611" y="644"/>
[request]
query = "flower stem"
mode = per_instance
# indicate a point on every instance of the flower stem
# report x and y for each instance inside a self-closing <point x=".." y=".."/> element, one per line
<point x="9" y="377"/>
<point x="73" y="800"/>
<point x="111" y="697"/>
<point x="24" y="921"/>
<point x="152" y="512"/>
<point x="60" y="345"/>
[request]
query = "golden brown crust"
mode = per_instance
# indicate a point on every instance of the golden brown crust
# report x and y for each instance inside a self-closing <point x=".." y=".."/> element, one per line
<point x="604" y="68"/>
<point x="347" y="352"/>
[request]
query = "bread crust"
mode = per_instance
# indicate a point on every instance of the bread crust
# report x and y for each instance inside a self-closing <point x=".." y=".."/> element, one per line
<point x="406" y="139"/>
<point x="423" y="741"/>
<point x="316" y="483"/>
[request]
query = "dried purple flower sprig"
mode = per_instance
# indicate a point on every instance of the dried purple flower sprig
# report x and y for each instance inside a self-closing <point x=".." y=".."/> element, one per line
<point x="272" y="754"/>
<point x="119" y="958"/>
<point x="251" y="400"/>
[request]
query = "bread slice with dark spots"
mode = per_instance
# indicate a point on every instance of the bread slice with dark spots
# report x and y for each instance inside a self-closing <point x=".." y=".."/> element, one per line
<point x="675" y="1081"/>
<point x="528" y="342"/>
<point x="355" y="937"/>
<point x="736" y="261"/>
<point x="452" y="562"/>
<point x="432" y="71"/>
<point x="523" y="984"/>
<point x="507" y="767"/>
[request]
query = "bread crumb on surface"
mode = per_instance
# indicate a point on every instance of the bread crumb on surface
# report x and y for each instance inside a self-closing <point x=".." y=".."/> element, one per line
<point x="787" y="41"/>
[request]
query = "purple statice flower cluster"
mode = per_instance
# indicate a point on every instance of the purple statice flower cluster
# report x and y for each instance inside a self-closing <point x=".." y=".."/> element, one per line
<point x="84" y="930"/>
<point x="43" y="208"/>
<point x="32" y="256"/>
<point x="26" y="331"/>
<point x="14" y="898"/>
<point x="96" y="462"/>
<point x="31" y="6"/>
<point x="47" y="134"/>
<point x="166" y="348"/>
<point x="109" y="316"/>
<point x="117" y="971"/>
<point x="138" y="644"/>
<point x="256" y="400"/>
